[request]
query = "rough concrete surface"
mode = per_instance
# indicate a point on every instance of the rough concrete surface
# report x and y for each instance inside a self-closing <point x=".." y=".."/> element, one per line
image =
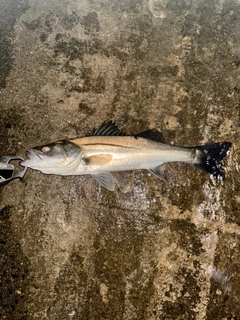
<point x="70" y="249"/>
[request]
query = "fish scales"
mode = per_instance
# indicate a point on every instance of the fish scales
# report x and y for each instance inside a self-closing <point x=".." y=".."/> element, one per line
<point x="130" y="152"/>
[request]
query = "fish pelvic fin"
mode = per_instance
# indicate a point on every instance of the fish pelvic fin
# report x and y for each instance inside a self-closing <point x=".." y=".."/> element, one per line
<point x="208" y="158"/>
<point x="105" y="179"/>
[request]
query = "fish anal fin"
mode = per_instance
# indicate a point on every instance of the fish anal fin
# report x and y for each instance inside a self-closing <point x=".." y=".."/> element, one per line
<point x="98" y="160"/>
<point x="159" y="172"/>
<point x="124" y="180"/>
<point x="105" y="179"/>
<point x="152" y="134"/>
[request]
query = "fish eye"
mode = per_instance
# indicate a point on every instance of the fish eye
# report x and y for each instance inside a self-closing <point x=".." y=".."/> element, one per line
<point x="46" y="149"/>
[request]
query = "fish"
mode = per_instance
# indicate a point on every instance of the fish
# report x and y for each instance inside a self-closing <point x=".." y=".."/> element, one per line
<point x="106" y="149"/>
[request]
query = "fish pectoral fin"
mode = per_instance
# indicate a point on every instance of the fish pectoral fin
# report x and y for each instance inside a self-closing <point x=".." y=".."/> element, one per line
<point x="105" y="179"/>
<point x="159" y="172"/>
<point x="99" y="159"/>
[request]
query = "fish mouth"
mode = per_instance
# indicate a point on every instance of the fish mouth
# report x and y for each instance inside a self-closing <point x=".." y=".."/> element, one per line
<point x="33" y="158"/>
<point x="32" y="154"/>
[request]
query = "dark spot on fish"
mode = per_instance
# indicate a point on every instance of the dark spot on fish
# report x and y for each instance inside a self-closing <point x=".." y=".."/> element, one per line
<point x="86" y="160"/>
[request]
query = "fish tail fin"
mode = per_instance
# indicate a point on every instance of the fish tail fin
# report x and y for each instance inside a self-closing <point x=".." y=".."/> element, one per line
<point x="208" y="158"/>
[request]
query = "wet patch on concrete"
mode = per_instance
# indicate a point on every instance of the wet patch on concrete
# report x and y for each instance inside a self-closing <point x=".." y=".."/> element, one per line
<point x="10" y="11"/>
<point x="225" y="280"/>
<point x="14" y="271"/>
<point x="158" y="250"/>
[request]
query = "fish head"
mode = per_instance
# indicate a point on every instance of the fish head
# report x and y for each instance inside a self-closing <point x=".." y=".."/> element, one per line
<point x="60" y="157"/>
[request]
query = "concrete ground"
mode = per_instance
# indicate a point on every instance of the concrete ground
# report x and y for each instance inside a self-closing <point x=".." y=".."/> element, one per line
<point x="70" y="249"/>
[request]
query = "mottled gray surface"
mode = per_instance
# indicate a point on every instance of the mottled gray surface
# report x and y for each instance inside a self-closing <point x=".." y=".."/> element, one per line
<point x="70" y="249"/>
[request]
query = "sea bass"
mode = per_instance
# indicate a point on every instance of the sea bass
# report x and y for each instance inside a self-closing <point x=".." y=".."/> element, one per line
<point x="106" y="149"/>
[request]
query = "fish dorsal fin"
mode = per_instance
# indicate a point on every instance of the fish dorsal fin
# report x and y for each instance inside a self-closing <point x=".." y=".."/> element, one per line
<point x="106" y="129"/>
<point x="152" y="134"/>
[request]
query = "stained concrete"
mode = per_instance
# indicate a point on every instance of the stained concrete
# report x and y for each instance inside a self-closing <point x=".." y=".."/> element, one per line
<point x="153" y="250"/>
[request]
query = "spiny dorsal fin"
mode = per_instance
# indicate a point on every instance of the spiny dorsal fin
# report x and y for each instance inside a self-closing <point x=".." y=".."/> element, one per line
<point x="106" y="129"/>
<point x="152" y="134"/>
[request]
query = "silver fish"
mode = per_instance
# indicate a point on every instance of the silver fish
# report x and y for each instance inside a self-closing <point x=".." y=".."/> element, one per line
<point x="106" y="149"/>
